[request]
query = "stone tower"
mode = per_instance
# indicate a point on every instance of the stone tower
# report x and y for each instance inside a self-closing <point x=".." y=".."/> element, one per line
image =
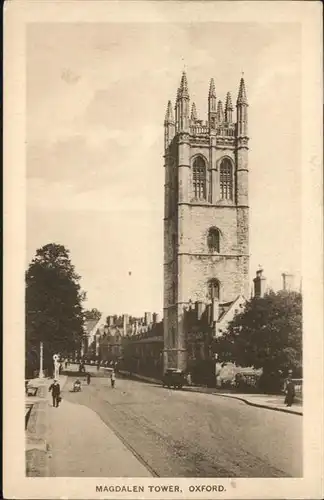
<point x="206" y="225"/>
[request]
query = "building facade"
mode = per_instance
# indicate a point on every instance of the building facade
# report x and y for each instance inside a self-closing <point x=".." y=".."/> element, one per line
<point x="206" y="224"/>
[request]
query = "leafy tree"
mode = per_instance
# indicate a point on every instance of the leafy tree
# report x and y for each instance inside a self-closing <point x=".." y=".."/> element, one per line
<point x="267" y="335"/>
<point x="54" y="313"/>
<point x="92" y="314"/>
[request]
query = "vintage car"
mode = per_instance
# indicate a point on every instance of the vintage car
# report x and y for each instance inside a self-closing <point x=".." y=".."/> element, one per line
<point x="174" y="378"/>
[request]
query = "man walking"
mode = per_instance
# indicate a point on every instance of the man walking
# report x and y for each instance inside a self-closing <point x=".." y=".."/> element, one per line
<point x="289" y="390"/>
<point x="56" y="391"/>
<point x="113" y="379"/>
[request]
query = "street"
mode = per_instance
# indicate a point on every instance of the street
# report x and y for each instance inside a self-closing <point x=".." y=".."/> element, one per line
<point x="187" y="434"/>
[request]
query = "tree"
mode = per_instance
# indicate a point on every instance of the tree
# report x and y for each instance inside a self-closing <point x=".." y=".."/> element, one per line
<point x="92" y="314"/>
<point x="267" y="334"/>
<point x="54" y="313"/>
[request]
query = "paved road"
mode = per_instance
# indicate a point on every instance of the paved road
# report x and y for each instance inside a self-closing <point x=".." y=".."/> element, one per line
<point x="185" y="434"/>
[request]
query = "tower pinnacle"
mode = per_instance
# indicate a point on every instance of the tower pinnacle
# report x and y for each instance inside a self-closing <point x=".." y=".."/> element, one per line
<point x="220" y="113"/>
<point x="212" y="104"/>
<point x="241" y="98"/>
<point x="229" y="104"/>
<point x="212" y="91"/>
<point x="228" y="108"/>
<point x="242" y="111"/>
<point x="193" y="112"/>
<point x="169" y="114"/>
<point x="183" y="89"/>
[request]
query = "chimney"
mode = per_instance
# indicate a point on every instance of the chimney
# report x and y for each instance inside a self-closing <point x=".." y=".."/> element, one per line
<point x="259" y="284"/>
<point x="200" y="307"/>
<point x="148" y="318"/>
<point x="287" y="282"/>
<point x="125" y="323"/>
<point x="156" y="318"/>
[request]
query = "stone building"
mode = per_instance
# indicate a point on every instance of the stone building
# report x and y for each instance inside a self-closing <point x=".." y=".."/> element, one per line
<point x="206" y="225"/>
<point x="143" y="350"/>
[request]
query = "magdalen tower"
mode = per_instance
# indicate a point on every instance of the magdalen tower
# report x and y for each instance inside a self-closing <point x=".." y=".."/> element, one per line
<point x="206" y="213"/>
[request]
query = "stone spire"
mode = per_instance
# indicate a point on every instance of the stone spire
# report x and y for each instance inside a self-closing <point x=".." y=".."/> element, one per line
<point x="212" y="104"/>
<point x="183" y="89"/>
<point x="182" y="107"/>
<point x="241" y="98"/>
<point x="220" y="113"/>
<point x="228" y="108"/>
<point x="212" y="91"/>
<point x="169" y="126"/>
<point x="242" y="111"/>
<point x="169" y="114"/>
<point x="193" y="112"/>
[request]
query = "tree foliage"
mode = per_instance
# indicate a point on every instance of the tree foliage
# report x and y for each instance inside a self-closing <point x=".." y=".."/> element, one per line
<point x="54" y="313"/>
<point x="267" y="334"/>
<point x="92" y="314"/>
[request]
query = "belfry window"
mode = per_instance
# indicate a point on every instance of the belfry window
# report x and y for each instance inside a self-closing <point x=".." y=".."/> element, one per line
<point x="226" y="179"/>
<point x="213" y="239"/>
<point x="213" y="289"/>
<point x="199" y="178"/>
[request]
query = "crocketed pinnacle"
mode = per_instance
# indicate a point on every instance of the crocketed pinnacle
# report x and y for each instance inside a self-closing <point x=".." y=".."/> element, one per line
<point x="193" y="112"/>
<point x="212" y="90"/>
<point x="241" y="98"/>
<point x="228" y="105"/>
<point x="169" y="113"/>
<point x="183" y="89"/>
<point x="220" y="114"/>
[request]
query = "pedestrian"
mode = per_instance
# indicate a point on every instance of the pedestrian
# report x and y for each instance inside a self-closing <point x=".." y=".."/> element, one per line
<point x="66" y="364"/>
<point x="56" y="392"/>
<point x="189" y="381"/>
<point x="112" y="379"/>
<point x="88" y="378"/>
<point x="289" y="390"/>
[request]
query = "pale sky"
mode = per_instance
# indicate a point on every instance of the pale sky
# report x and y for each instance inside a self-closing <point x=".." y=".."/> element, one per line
<point x="96" y="100"/>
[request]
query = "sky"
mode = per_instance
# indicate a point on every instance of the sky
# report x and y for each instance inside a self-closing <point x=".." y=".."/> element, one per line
<point x="96" y="101"/>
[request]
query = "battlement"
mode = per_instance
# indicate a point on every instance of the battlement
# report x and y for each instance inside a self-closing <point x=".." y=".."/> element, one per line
<point x="223" y="130"/>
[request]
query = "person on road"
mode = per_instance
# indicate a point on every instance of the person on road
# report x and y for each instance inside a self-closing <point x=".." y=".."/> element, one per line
<point x="113" y="379"/>
<point x="56" y="391"/>
<point x="289" y="390"/>
<point x="88" y="378"/>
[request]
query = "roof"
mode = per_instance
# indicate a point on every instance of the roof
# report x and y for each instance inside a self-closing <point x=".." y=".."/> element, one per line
<point x="89" y="325"/>
<point x="224" y="308"/>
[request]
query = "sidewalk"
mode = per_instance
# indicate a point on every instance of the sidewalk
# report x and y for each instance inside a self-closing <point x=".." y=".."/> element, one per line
<point x="265" y="401"/>
<point x="36" y="432"/>
<point x="72" y="441"/>
<point x="82" y="445"/>
<point x="270" y="402"/>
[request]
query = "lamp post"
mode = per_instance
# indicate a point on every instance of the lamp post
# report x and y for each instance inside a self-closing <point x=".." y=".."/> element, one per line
<point x="41" y="371"/>
<point x="216" y="374"/>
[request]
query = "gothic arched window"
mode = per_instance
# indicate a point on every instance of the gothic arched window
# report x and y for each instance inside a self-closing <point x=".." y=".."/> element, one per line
<point x="213" y="289"/>
<point x="213" y="239"/>
<point x="199" y="178"/>
<point x="226" y="179"/>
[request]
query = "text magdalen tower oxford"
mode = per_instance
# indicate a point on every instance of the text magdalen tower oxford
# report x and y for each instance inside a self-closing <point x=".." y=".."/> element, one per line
<point x="206" y="225"/>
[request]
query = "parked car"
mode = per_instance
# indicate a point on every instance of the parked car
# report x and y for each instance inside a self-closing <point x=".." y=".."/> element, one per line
<point x="174" y="378"/>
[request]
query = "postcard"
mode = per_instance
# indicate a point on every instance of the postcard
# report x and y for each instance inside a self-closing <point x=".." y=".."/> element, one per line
<point x="163" y="270"/>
